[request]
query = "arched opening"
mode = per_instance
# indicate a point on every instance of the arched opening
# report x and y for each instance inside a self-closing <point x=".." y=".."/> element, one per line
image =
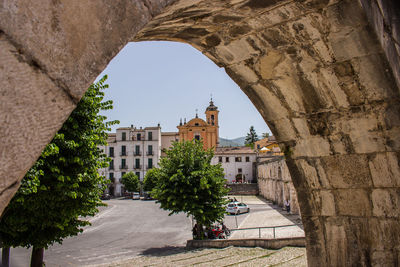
<point x="314" y="69"/>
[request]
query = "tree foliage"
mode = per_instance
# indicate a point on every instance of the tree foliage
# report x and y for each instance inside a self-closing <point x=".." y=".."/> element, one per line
<point x="187" y="182"/>
<point x="63" y="186"/>
<point x="131" y="182"/>
<point x="251" y="137"/>
<point x="265" y="135"/>
<point x="151" y="179"/>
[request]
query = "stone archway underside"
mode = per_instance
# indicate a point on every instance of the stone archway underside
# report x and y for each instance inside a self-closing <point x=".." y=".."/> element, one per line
<point x="315" y="70"/>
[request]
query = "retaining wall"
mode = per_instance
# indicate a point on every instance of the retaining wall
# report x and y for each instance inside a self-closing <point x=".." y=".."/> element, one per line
<point x="254" y="242"/>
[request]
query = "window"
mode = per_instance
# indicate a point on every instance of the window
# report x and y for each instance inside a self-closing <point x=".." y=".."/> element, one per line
<point x="122" y="174"/>
<point x="137" y="174"/>
<point x="111" y="175"/>
<point x="219" y="159"/>
<point x="138" y="137"/>
<point x="123" y="151"/>
<point x="240" y="170"/>
<point x="123" y="163"/>
<point x="111" y="167"/>
<point x="150" y="136"/>
<point x="149" y="150"/>
<point x="238" y="159"/>
<point x="196" y="124"/>
<point x="258" y="146"/>
<point x="212" y="119"/>
<point x="137" y="150"/>
<point x="247" y="159"/>
<point x="227" y="159"/>
<point x="123" y="136"/>
<point x="150" y="163"/>
<point x="111" y="152"/>
<point x="137" y="163"/>
<point x="197" y="137"/>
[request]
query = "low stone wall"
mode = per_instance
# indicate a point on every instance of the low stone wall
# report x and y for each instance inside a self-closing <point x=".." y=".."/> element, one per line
<point x="254" y="242"/>
<point x="243" y="189"/>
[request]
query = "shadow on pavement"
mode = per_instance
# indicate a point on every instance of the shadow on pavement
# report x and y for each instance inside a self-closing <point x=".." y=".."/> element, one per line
<point x="294" y="218"/>
<point x="164" y="251"/>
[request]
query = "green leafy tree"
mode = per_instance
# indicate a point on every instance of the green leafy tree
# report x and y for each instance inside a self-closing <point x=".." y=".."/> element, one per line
<point x="131" y="182"/>
<point x="265" y="135"/>
<point x="187" y="182"/>
<point x="251" y="137"/>
<point x="63" y="186"/>
<point x="151" y="179"/>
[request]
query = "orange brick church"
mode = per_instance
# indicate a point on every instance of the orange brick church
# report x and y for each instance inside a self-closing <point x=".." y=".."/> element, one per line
<point x="197" y="128"/>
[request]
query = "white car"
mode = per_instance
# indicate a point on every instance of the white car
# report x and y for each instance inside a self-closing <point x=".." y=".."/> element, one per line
<point x="136" y="196"/>
<point x="237" y="208"/>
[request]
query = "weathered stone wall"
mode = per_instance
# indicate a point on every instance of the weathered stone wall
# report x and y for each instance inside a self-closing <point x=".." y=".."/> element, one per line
<point x="384" y="17"/>
<point x="243" y="189"/>
<point x="275" y="183"/>
<point x="50" y="52"/>
<point x="315" y="70"/>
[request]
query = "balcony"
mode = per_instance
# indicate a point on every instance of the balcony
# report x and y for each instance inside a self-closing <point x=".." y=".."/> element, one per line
<point x="150" y="153"/>
<point x="123" y="154"/>
<point x="137" y="153"/>
<point x="111" y="167"/>
<point x="123" y="167"/>
<point x="137" y="167"/>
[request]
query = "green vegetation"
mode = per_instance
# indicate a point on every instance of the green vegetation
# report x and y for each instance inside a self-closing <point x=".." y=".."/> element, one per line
<point x="131" y="182"/>
<point x="151" y="179"/>
<point x="251" y="137"/>
<point x="63" y="186"/>
<point x="187" y="182"/>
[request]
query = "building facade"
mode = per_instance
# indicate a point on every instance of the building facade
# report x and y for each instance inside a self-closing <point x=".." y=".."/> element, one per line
<point x="199" y="129"/>
<point x="239" y="163"/>
<point x="131" y="150"/>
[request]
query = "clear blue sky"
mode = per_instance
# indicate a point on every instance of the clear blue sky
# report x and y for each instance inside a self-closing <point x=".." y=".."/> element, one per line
<point x="161" y="82"/>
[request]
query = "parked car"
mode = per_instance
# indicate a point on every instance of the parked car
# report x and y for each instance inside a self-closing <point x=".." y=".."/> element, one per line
<point x="135" y="196"/>
<point x="105" y="196"/>
<point x="146" y="196"/>
<point x="237" y="208"/>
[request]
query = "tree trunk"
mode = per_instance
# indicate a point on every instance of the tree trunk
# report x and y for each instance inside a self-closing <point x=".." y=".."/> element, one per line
<point x="37" y="257"/>
<point x="5" y="257"/>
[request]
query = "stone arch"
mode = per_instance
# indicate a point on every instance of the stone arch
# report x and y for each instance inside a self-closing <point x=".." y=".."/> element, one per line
<point x="325" y="84"/>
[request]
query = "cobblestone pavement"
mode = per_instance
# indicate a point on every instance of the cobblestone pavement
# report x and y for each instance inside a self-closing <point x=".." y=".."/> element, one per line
<point x="231" y="256"/>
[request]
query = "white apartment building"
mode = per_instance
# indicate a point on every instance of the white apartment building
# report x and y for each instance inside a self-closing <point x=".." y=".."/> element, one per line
<point x="239" y="163"/>
<point x="131" y="149"/>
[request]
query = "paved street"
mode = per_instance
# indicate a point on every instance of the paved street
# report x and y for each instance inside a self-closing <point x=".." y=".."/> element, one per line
<point x="127" y="229"/>
<point x="124" y="229"/>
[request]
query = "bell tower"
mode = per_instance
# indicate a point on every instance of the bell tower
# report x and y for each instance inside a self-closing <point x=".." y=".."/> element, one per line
<point x="212" y="120"/>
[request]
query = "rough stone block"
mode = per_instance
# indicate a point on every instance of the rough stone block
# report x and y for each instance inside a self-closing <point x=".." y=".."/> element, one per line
<point x="272" y="107"/>
<point x="352" y="202"/>
<point x="327" y="203"/>
<point x="313" y="145"/>
<point x="236" y="51"/>
<point x="386" y="202"/>
<point x="384" y="233"/>
<point x="356" y="43"/>
<point x="375" y="77"/>
<point x="385" y="169"/>
<point x="336" y="239"/>
<point x="316" y="177"/>
<point x="347" y="171"/>
<point x="383" y="258"/>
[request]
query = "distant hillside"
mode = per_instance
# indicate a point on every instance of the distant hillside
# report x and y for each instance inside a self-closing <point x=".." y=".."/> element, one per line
<point x="234" y="142"/>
